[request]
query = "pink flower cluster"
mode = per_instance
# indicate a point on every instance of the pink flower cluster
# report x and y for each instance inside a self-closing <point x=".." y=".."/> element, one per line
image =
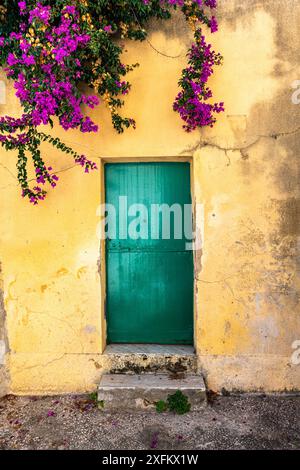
<point x="11" y="126"/>
<point x="46" y="80"/>
<point x="55" y="49"/>
<point x="48" y="95"/>
<point x="191" y="102"/>
<point x="43" y="176"/>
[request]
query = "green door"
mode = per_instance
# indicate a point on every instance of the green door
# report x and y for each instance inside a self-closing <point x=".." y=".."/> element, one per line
<point x="149" y="263"/>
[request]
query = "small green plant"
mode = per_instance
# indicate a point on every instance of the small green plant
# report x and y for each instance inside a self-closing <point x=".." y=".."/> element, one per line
<point x="178" y="402"/>
<point x="94" y="398"/>
<point x="100" y="404"/>
<point x="161" y="406"/>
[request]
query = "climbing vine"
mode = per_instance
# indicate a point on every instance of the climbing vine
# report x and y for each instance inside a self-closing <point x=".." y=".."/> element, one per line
<point x="51" y="48"/>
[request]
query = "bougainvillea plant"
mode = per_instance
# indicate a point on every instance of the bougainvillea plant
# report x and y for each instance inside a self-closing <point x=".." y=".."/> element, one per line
<point x="51" y="48"/>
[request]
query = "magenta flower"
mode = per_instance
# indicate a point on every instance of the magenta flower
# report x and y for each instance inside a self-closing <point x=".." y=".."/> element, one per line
<point x="154" y="441"/>
<point x="41" y="13"/>
<point x="87" y="125"/>
<point x="28" y="60"/>
<point x="213" y="24"/>
<point x="24" y="46"/>
<point x="11" y="59"/>
<point x="22" y="7"/>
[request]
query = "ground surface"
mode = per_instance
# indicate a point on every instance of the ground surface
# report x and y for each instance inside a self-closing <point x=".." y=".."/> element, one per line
<point x="73" y="422"/>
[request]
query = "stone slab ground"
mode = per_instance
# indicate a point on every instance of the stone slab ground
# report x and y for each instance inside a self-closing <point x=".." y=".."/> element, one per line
<point x="130" y="392"/>
<point x="74" y="422"/>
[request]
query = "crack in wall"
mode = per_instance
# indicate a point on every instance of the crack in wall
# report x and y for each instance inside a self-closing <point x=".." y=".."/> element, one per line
<point x="242" y="149"/>
<point x="8" y="170"/>
<point x="46" y="364"/>
<point x="231" y="276"/>
<point x="190" y="150"/>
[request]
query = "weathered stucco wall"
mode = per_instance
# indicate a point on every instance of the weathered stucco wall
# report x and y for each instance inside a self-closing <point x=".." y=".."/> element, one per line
<point x="3" y="348"/>
<point x="246" y="179"/>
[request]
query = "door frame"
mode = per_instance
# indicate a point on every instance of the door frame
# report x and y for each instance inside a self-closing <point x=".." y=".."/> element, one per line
<point x="102" y="259"/>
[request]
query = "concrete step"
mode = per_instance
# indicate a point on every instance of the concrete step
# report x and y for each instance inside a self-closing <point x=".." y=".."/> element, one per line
<point x="149" y="359"/>
<point x="128" y="392"/>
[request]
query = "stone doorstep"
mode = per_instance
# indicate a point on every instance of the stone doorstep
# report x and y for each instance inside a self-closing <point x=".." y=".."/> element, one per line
<point x="149" y="359"/>
<point x="130" y="392"/>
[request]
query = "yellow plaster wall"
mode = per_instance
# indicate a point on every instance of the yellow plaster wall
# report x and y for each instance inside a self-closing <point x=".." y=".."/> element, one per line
<point x="246" y="182"/>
